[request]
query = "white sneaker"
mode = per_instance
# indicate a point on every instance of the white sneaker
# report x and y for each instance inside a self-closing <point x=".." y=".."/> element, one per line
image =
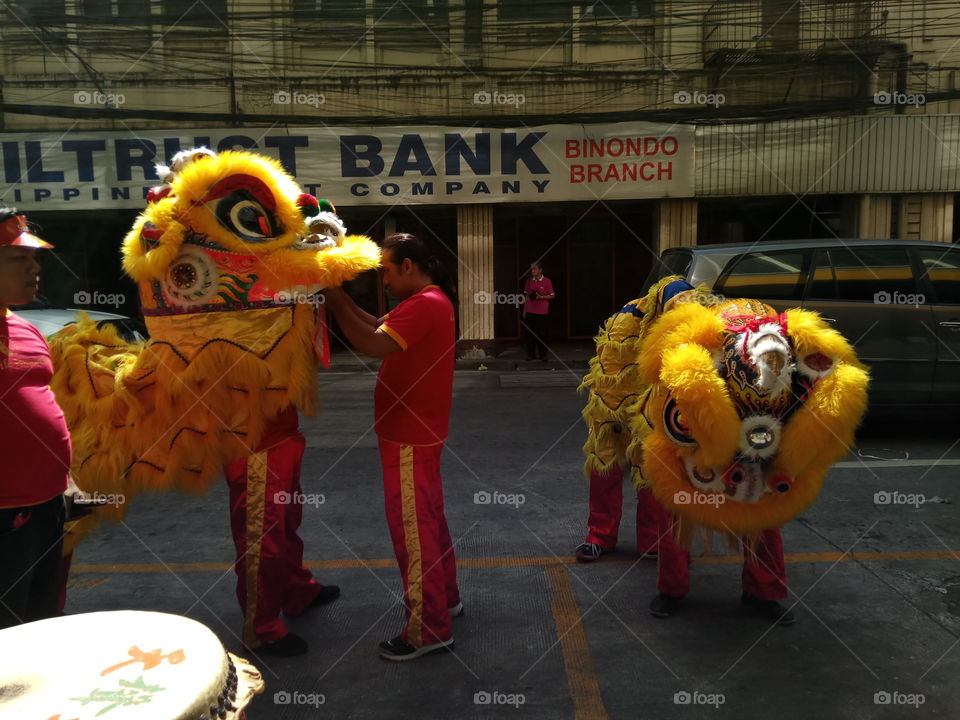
<point x="456" y="610"/>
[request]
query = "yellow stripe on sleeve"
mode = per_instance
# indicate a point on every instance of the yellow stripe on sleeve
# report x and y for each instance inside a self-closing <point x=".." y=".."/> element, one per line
<point x="395" y="335"/>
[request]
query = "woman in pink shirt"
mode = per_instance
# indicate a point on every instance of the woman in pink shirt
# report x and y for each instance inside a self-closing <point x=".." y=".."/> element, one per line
<point x="538" y="293"/>
<point x="34" y="441"/>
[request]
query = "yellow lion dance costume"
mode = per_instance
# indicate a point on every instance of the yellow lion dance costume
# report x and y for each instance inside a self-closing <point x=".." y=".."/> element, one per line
<point x="226" y="257"/>
<point x="730" y="412"/>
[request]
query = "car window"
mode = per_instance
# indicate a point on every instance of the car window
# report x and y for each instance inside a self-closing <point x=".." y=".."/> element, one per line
<point x="671" y="263"/>
<point x="943" y="269"/>
<point x="676" y="263"/>
<point x="823" y="280"/>
<point x="864" y="274"/>
<point x="766" y="275"/>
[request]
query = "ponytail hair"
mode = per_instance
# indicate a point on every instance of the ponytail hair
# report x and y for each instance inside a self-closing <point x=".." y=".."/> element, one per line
<point x="404" y="245"/>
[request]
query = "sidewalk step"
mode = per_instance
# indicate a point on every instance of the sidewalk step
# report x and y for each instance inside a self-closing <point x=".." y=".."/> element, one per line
<point x="539" y="379"/>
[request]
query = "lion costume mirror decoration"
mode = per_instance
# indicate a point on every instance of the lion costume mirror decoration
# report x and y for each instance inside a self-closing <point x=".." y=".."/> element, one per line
<point x="226" y="256"/>
<point x="730" y="412"/>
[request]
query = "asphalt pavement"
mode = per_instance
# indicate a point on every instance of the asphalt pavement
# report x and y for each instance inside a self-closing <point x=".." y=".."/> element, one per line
<point x="873" y="571"/>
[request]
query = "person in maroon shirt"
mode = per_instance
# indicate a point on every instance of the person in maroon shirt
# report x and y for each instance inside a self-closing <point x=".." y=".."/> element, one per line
<point x="417" y="341"/>
<point x="34" y="442"/>
<point x="538" y="292"/>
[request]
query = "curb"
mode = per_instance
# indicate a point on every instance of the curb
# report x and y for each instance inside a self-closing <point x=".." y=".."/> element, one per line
<point x="490" y="365"/>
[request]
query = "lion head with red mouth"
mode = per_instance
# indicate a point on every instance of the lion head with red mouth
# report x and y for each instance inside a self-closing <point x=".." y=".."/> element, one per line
<point x="748" y="409"/>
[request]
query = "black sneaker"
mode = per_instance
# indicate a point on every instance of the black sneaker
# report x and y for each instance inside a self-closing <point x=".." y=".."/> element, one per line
<point x="287" y="646"/>
<point x="663" y="606"/>
<point x="589" y="552"/>
<point x="769" y="610"/>
<point x="328" y="593"/>
<point x="398" y="650"/>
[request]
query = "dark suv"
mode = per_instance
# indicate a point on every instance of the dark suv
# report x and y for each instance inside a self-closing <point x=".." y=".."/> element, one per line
<point x="897" y="301"/>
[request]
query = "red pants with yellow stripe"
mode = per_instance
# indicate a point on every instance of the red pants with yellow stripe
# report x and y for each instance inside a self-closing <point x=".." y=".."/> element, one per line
<point x="606" y="508"/>
<point x="413" y="497"/>
<point x="764" y="574"/>
<point x="264" y="515"/>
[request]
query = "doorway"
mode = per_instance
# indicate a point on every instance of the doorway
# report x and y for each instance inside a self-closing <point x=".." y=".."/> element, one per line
<point x="597" y="257"/>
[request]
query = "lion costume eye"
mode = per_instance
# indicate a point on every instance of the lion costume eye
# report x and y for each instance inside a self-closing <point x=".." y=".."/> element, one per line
<point x="191" y="279"/>
<point x="674" y="426"/>
<point x="246" y="218"/>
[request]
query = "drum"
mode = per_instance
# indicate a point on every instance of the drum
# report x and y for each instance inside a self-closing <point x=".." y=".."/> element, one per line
<point x="118" y="665"/>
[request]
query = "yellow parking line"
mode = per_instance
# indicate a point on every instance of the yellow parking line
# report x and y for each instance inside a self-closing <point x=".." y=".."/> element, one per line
<point x="549" y="561"/>
<point x="577" y="660"/>
<point x="921" y="555"/>
<point x="152" y="567"/>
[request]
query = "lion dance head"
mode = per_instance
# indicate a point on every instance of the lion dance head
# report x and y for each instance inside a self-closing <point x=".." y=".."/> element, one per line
<point x="233" y="232"/>
<point x="748" y="409"/>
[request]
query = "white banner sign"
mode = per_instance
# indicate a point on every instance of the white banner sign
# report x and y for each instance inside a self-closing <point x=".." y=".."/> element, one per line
<point x="367" y="166"/>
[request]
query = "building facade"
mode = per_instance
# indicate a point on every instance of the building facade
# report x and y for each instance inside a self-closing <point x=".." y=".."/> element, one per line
<point x="589" y="136"/>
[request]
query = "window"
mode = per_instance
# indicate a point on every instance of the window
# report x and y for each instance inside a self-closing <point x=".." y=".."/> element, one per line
<point x="676" y="263"/>
<point x="341" y="22"/>
<point x="45" y="12"/>
<point x="422" y="25"/>
<point x="135" y="11"/>
<point x="207" y="14"/>
<point x="409" y="11"/>
<point x="539" y="10"/>
<point x="767" y="275"/>
<point x="473" y="24"/>
<point x="780" y="25"/>
<point x="862" y="274"/>
<point x="615" y="21"/>
<point x="618" y="9"/>
<point x="942" y="267"/>
<point x="319" y="10"/>
<point x="823" y="280"/>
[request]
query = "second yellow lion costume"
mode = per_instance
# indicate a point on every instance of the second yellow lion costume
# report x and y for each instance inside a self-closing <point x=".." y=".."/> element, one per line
<point x="730" y="412"/>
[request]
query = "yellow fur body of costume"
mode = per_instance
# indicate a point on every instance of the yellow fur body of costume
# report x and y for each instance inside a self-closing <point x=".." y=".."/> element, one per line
<point x="225" y="263"/>
<point x="615" y="422"/>
<point x="730" y="413"/>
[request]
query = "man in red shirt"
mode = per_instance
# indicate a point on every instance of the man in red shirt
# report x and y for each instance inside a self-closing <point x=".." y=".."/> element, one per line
<point x="417" y="341"/>
<point x="538" y="292"/>
<point x="34" y="441"/>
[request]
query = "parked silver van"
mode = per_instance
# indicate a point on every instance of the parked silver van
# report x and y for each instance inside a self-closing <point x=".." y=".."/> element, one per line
<point x="897" y="301"/>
